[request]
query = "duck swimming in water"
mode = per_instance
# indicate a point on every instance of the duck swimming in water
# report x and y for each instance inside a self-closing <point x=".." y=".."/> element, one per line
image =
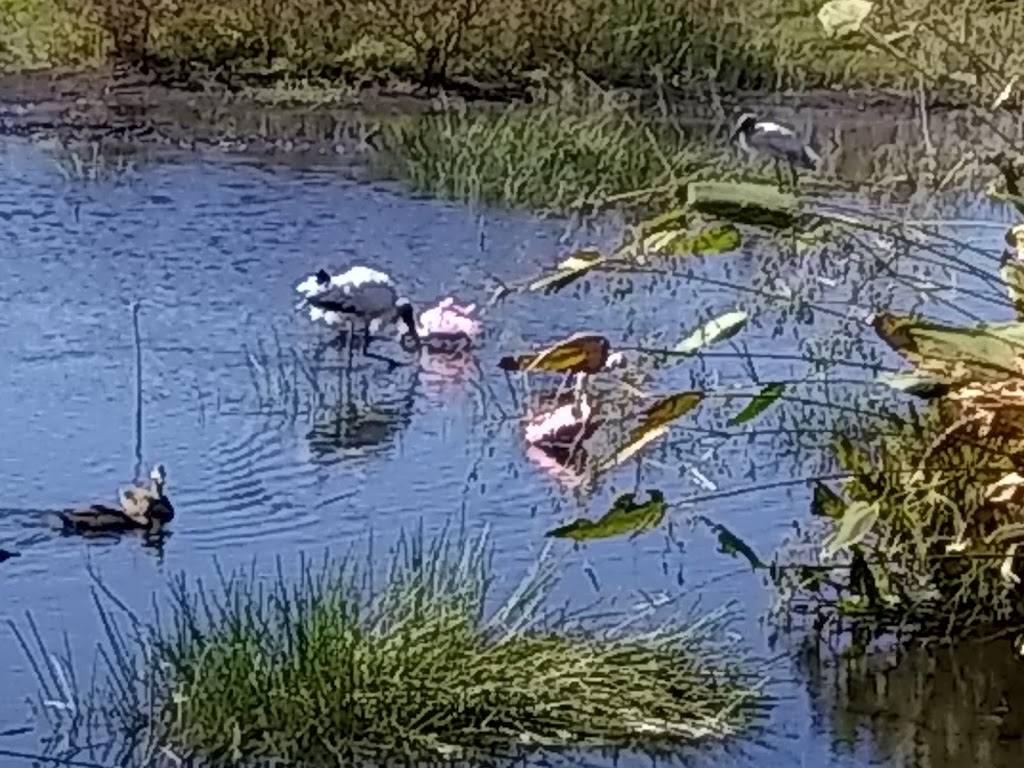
<point x="141" y="509"/>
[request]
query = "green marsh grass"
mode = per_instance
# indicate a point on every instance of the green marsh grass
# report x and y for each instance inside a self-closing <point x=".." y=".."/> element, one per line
<point x="566" y="155"/>
<point x="340" y="665"/>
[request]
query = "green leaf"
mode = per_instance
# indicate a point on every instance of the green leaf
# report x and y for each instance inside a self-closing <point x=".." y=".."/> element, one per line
<point x="625" y="516"/>
<point x="985" y="352"/>
<point x="655" y="424"/>
<point x="731" y="544"/>
<point x="720" y="238"/>
<point x="1012" y="272"/>
<point x="568" y="271"/>
<point x="843" y="17"/>
<point x="580" y="353"/>
<point x="762" y="400"/>
<point x="719" y="329"/>
<point x="916" y="383"/>
<point x="762" y="205"/>
<point x="826" y="503"/>
<point x="856" y="523"/>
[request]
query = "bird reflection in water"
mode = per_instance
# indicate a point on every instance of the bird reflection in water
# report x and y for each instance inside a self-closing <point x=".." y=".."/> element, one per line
<point x="369" y="410"/>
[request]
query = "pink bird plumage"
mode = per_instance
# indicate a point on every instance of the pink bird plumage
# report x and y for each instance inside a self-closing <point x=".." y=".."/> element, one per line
<point x="448" y="325"/>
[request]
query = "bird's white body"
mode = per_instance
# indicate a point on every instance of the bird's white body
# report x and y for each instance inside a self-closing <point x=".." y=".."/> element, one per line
<point x="775" y="140"/>
<point x="366" y="293"/>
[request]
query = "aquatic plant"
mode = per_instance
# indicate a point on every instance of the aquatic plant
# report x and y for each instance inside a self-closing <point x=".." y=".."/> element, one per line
<point x="424" y="664"/>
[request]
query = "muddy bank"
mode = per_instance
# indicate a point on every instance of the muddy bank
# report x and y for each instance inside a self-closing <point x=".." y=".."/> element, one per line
<point x="97" y="106"/>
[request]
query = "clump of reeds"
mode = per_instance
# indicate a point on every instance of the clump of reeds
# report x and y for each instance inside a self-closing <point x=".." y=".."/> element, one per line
<point x="421" y="666"/>
<point x="564" y="155"/>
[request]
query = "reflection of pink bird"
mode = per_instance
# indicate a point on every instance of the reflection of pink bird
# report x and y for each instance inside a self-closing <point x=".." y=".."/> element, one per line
<point x="559" y="428"/>
<point x="564" y="427"/>
<point x="448" y="326"/>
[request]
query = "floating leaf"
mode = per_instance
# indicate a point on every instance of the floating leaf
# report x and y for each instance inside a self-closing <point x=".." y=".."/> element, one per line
<point x="916" y="383"/>
<point x="761" y="205"/>
<point x="655" y="423"/>
<point x="718" y="329"/>
<point x="568" y="271"/>
<point x="969" y="354"/>
<point x="843" y="17"/>
<point x="1012" y="271"/>
<point x="720" y="238"/>
<point x="625" y="516"/>
<point x="762" y="400"/>
<point x="731" y="544"/>
<point x="580" y="353"/>
<point x="856" y="523"/>
<point x="826" y="503"/>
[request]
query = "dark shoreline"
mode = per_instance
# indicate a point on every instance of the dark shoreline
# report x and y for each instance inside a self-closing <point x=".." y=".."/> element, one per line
<point x="92" y="105"/>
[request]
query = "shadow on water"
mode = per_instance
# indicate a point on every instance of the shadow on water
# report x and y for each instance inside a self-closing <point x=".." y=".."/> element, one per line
<point x="947" y="707"/>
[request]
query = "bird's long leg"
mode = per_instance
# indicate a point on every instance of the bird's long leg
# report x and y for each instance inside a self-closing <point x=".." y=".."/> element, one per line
<point x="349" y="342"/>
<point x="778" y="173"/>
<point x="792" y="171"/>
<point x="367" y="338"/>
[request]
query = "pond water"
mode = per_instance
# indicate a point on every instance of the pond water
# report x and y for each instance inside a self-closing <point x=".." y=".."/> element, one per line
<point x="275" y="447"/>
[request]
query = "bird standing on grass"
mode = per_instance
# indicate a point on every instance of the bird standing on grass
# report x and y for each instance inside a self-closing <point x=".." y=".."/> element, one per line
<point x="780" y="142"/>
<point x="359" y="294"/>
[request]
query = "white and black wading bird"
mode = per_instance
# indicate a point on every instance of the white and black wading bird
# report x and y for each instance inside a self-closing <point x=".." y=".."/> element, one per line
<point x="780" y="142"/>
<point x="359" y="294"/>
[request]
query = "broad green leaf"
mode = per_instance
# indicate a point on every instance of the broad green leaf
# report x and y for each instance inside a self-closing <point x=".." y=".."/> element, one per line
<point x="762" y="205"/>
<point x="625" y="516"/>
<point x="916" y="383"/>
<point x="568" y="271"/>
<point x="1012" y="271"/>
<point x="720" y="238"/>
<point x="826" y="503"/>
<point x="984" y="352"/>
<point x="655" y="424"/>
<point x="856" y="523"/>
<point x="731" y="544"/>
<point x="843" y="17"/>
<point x="719" y="329"/>
<point x="762" y="400"/>
<point x="580" y="353"/>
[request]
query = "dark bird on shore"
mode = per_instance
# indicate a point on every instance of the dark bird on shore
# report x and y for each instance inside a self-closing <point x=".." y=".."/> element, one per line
<point x="777" y="141"/>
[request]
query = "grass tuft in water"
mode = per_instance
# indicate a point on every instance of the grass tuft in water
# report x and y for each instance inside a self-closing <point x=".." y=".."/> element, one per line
<point x="565" y="155"/>
<point x="330" y="667"/>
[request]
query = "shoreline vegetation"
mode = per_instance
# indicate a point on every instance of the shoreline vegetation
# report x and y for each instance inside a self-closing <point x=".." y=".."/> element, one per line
<point x="698" y="47"/>
<point x="431" y="667"/>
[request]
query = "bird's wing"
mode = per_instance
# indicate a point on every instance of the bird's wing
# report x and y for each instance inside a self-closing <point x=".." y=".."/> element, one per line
<point x="334" y="299"/>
